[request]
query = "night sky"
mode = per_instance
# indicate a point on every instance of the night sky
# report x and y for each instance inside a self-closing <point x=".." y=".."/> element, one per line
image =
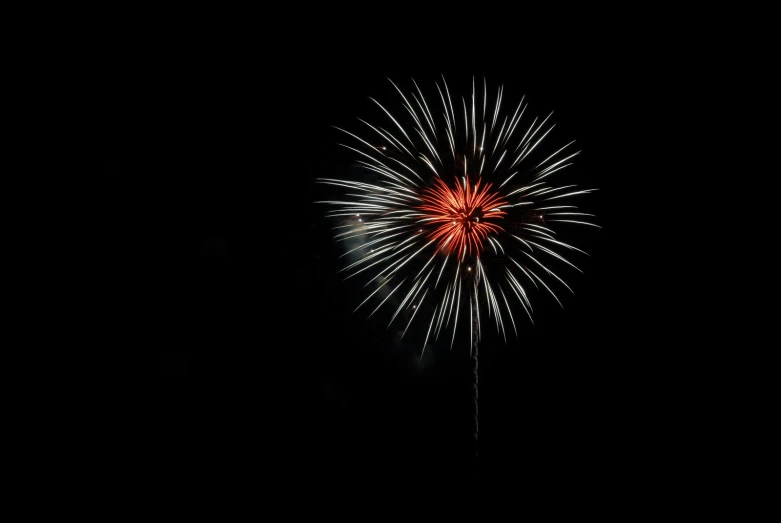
<point x="246" y="358"/>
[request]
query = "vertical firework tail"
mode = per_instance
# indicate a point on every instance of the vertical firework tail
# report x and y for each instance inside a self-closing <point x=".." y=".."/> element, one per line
<point x="475" y="339"/>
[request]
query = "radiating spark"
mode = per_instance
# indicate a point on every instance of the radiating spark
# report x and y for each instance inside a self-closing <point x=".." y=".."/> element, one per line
<point x="470" y="185"/>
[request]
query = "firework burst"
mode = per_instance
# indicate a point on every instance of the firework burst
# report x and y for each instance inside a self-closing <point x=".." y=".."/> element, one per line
<point x="462" y="214"/>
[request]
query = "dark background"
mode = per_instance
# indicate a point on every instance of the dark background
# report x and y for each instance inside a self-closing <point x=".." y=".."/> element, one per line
<point x="245" y="358"/>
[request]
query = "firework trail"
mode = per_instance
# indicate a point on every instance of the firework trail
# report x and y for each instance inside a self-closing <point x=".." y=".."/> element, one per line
<point x="461" y="218"/>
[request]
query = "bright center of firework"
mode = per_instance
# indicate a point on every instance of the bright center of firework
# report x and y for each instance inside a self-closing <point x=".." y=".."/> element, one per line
<point x="462" y="215"/>
<point x="468" y="217"/>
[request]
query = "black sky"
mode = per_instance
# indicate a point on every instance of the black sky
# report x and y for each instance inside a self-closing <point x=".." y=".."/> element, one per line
<point x="245" y="355"/>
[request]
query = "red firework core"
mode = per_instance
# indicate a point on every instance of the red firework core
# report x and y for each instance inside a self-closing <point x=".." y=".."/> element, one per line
<point x="462" y="217"/>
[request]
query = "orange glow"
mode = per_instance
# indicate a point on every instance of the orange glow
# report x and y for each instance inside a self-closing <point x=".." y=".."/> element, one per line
<point x="462" y="217"/>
